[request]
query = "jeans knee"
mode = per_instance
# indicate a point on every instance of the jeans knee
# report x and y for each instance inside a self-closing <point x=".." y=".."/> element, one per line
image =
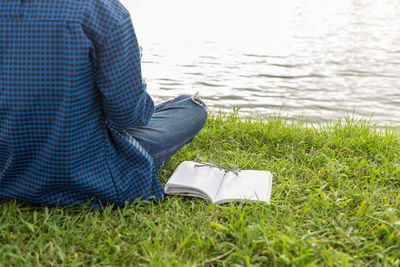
<point x="201" y="110"/>
<point x="194" y="110"/>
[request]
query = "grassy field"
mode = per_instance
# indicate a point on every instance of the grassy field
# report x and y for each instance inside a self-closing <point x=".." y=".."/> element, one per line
<point x="335" y="202"/>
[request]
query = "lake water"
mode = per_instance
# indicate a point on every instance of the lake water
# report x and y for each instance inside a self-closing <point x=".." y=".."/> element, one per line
<point x="311" y="58"/>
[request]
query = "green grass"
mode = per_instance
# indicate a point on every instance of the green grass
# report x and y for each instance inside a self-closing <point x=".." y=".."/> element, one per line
<point x="335" y="202"/>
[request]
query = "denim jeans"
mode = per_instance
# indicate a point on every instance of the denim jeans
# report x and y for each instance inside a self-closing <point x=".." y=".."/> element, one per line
<point x="174" y="124"/>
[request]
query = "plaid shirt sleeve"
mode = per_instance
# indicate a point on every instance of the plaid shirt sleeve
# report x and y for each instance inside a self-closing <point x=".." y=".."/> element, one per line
<point x="125" y="100"/>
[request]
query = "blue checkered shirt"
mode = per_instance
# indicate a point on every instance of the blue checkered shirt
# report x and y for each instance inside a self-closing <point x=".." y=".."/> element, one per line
<point x="70" y="85"/>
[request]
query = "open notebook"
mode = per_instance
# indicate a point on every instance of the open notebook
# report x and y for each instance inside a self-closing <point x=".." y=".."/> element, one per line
<point x="211" y="182"/>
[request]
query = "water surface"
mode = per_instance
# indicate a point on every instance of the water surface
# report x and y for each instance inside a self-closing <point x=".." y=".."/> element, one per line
<point x="310" y="58"/>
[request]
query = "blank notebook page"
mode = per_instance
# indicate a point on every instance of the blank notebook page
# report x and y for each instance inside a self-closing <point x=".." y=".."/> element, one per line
<point x="205" y="179"/>
<point x="250" y="185"/>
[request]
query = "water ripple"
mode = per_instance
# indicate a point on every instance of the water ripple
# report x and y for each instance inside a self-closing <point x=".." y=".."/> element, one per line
<point x="316" y="62"/>
<point x="209" y="84"/>
<point x="288" y="76"/>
